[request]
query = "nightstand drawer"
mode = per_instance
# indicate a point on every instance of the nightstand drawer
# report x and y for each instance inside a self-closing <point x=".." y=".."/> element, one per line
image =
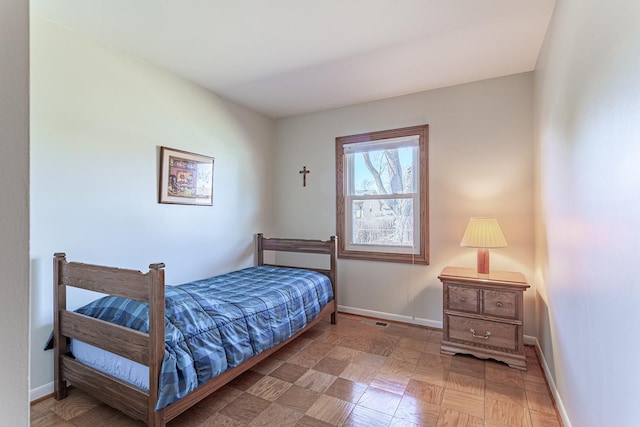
<point x="502" y="336"/>
<point x="462" y="298"/>
<point x="500" y="303"/>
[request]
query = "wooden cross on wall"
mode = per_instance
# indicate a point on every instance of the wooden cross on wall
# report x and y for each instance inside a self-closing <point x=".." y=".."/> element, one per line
<point x="304" y="173"/>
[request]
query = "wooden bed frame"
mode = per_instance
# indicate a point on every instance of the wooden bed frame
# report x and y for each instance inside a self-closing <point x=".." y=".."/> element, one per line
<point x="147" y="349"/>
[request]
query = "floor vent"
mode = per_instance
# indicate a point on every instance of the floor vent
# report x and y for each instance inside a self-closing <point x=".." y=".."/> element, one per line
<point x="375" y="323"/>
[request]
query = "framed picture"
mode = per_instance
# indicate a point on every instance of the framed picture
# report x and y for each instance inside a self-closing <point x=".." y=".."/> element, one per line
<point x="185" y="178"/>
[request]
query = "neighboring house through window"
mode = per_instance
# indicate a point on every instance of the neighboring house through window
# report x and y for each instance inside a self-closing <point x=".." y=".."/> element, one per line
<point x="382" y="197"/>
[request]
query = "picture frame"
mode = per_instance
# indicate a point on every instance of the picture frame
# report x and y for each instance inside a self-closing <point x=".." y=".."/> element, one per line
<point x="185" y="178"/>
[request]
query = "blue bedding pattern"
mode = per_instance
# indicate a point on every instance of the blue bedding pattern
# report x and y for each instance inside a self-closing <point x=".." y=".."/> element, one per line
<point x="215" y="324"/>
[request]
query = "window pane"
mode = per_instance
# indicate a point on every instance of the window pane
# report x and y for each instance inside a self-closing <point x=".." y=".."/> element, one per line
<point x="387" y="171"/>
<point x="387" y="222"/>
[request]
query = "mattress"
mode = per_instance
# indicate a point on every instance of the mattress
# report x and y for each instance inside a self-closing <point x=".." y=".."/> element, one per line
<point x="212" y="325"/>
<point x="117" y="366"/>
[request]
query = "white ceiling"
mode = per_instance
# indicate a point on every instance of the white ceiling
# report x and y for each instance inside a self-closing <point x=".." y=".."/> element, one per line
<point x="287" y="57"/>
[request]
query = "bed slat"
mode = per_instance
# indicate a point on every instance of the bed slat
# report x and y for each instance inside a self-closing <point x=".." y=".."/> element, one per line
<point x="319" y="270"/>
<point x="108" y="280"/>
<point x="287" y="245"/>
<point x="118" y="394"/>
<point x="117" y="339"/>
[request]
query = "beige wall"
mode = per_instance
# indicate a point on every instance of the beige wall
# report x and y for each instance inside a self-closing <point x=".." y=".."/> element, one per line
<point x="98" y="120"/>
<point x="587" y="108"/>
<point x="14" y="212"/>
<point x="481" y="150"/>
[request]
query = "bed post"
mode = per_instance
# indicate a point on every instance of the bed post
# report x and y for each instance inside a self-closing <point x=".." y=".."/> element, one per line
<point x="334" y="278"/>
<point x="59" y="342"/>
<point x="259" y="249"/>
<point x="156" y="340"/>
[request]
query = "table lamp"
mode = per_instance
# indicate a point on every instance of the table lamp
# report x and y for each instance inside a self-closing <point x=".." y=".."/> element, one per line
<point x="483" y="233"/>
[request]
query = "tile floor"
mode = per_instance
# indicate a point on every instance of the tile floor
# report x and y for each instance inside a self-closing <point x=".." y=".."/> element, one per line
<point x="352" y="374"/>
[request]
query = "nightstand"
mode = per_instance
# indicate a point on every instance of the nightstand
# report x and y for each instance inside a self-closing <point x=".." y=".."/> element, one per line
<point x="482" y="314"/>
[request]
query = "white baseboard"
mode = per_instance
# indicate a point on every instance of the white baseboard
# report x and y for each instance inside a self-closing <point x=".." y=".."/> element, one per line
<point x="389" y="316"/>
<point x="552" y="384"/>
<point x="42" y="391"/>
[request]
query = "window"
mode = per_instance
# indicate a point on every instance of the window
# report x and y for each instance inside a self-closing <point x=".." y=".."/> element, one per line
<point x="381" y="195"/>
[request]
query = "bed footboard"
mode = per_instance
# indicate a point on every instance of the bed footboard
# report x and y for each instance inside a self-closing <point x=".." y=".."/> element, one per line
<point x="147" y="349"/>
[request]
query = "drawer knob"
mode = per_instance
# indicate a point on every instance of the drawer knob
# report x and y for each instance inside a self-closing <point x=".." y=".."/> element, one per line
<point x="499" y="304"/>
<point x="463" y="299"/>
<point x="485" y="337"/>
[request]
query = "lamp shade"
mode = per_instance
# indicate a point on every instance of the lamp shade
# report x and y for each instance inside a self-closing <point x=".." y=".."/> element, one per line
<point x="483" y="233"/>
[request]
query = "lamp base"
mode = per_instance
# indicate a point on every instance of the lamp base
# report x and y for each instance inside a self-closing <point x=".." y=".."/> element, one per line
<point x="483" y="260"/>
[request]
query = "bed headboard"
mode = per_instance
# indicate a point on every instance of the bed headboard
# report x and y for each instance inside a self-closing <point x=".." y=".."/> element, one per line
<point x="323" y="247"/>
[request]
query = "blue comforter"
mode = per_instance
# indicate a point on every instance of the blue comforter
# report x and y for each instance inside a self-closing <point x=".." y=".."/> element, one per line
<point x="215" y="324"/>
